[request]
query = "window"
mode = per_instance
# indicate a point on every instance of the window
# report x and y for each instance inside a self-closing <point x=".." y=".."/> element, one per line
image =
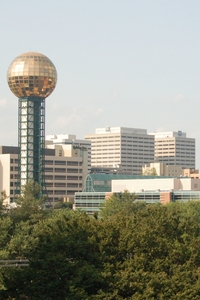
<point x="60" y="162"/>
<point x="60" y="177"/>
<point x="50" y="191"/>
<point x="72" y="177"/>
<point x="72" y="163"/>
<point x="60" y="184"/>
<point x="49" y="177"/>
<point x="49" y="184"/>
<point x="60" y="170"/>
<point x="72" y="170"/>
<point x="58" y="192"/>
<point x="72" y="185"/>
<point x="48" y="169"/>
<point x="49" y="162"/>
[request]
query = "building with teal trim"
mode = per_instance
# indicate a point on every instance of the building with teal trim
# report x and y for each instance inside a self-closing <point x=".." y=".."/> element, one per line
<point x="99" y="187"/>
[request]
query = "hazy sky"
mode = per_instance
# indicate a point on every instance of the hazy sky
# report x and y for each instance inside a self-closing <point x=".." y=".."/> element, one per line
<point x="120" y="63"/>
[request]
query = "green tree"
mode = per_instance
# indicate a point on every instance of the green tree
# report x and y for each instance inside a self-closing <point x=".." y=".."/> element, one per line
<point x="133" y="251"/>
<point x="3" y="207"/>
<point x="121" y="203"/>
<point x="61" y="204"/>
<point x="64" y="259"/>
<point x="153" y="255"/>
<point x="150" y="172"/>
<point x="30" y="204"/>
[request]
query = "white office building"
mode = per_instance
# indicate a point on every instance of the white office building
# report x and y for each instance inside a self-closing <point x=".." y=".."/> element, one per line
<point x="155" y="184"/>
<point x="120" y="147"/>
<point x="174" y="148"/>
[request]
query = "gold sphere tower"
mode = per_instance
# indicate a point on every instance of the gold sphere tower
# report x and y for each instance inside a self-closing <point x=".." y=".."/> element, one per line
<point x="31" y="77"/>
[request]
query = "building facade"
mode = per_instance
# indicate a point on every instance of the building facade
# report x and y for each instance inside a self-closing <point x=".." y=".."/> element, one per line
<point x="70" y="139"/>
<point x="126" y="149"/>
<point x="161" y="169"/>
<point x="65" y="171"/>
<point x="174" y="148"/>
<point x="149" y="189"/>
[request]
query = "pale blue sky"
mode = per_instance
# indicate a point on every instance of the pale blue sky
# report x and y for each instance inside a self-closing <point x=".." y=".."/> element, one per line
<point x="119" y="63"/>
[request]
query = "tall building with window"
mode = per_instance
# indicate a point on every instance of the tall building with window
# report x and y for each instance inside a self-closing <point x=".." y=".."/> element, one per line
<point x="121" y="147"/>
<point x="174" y="148"/>
<point x="65" y="171"/>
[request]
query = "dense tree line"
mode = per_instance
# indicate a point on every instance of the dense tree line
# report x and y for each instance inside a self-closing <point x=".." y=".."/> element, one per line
<point x="130" y="251"/>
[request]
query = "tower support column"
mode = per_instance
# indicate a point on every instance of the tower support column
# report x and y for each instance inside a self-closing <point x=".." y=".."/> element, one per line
<point x="31" y="140"/>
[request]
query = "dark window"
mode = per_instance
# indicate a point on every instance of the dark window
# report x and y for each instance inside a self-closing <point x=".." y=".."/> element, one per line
<point x="72" y="163"/>
<point x="57" y="177"/>
<point x="60" y="170"/>
<point x="60" y="162"/>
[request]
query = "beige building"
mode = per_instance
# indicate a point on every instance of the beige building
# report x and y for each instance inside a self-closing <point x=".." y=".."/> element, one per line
<point x="161" y="169"/>
<point x="70" y="139"/>
<point x="193" y="173"/>
<point x="174" y="148"/>
<point x="127" y="149"/>
<point x="65" y="171"/>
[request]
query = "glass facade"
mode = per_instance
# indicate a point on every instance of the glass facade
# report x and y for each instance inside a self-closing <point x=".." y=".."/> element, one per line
<point x="101" y="182"/>
<point x="32" y="74"/>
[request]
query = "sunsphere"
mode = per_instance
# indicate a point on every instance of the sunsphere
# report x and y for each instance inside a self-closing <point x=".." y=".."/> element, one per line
<point x="32" y="74"/>
<point x="31" y="77"/>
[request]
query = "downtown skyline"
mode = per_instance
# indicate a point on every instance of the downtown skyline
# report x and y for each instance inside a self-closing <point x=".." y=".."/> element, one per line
<point x="120" y="63"/>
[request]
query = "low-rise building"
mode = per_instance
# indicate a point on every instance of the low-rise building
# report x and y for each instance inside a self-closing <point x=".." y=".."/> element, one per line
<point x="161" y="169"/>
<point x="151" y="189"/>
<point x="193" y="173"/>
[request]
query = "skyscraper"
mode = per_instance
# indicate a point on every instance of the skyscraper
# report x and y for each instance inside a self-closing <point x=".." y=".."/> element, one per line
<point x="121" y="147"/>
<point x="174" y="148"/>
<point x="31" y="77"/>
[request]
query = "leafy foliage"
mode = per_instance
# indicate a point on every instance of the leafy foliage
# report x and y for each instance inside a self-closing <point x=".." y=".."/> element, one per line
<point x="30" y="204"/>
<point x="150" y="172"/>
<point x="133" y="251"/>
<point x="122" y="203"/>
<point x="61" y="204"/>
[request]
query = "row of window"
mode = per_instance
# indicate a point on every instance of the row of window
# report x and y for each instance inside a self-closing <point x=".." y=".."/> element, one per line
<point x="88" y="204"/>
<point x="53" y="162"/>
<point x="63" y="184"/>
<point x="51" y="177"/>
<point x="60" y="177"/>
<point x="16" y="160"/>
<point x="62" y="163"/>
<point x="61" y="192"/>
<point x="63" y="170"/>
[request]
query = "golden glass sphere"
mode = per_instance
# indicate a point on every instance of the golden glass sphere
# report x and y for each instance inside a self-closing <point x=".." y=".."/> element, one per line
<point x="32" y="74"/>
